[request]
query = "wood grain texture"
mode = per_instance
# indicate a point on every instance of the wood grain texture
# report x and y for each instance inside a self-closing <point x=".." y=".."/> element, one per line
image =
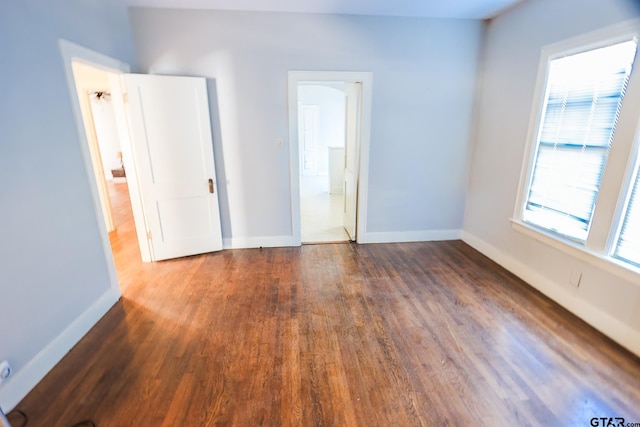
<point x="415" y="334"/>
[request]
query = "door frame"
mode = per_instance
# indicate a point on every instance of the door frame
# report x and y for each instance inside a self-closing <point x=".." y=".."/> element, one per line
<point x="294" y="79"/>
<point x="94" y="147"/>
<point x="72" y="52"/>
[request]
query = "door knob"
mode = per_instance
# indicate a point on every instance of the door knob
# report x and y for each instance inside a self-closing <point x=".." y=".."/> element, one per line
<point x="211" y="189"/>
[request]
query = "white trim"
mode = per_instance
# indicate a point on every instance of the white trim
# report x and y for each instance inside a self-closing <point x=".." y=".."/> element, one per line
<point x="529" y="155"/>
<point x="584" y="42"/>
<point x="624" y="194"/>
<point x="604" y="262"/>
<point x="606" y="218"/>
<point x="257" y="242"/>
<point x="294" y="160"/>
<point x="25" y="379"/>
<point x="118" y="91"/>
<point x="70" y="52"/>
<point x="610" y="35"/>
<point x="296" y="77"/>
<point x="618" y="331"/>
<point x="413" y="236"/>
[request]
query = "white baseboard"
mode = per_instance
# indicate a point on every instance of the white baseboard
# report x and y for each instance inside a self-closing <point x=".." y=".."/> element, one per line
<point x="378" y="237"/>
<point x="618" y="331"/>
<point x="412" y="236"/>
<point x="26" y="378"/>
<point x="257" y="242"/>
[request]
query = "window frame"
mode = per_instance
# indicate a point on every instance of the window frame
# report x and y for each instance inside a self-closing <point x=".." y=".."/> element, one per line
<point x="609" y="210"/>
<point x="632" y="173"/>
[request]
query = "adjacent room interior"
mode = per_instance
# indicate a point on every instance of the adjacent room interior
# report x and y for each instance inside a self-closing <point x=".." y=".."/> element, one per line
<point x="322" y="139"/>
<point x="413" y="214"/>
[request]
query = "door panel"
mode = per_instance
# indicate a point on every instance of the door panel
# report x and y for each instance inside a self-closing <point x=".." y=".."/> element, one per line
<point x="352" y="137"/>
<point x="173" y="152"/>
<point x="184" y="218"/>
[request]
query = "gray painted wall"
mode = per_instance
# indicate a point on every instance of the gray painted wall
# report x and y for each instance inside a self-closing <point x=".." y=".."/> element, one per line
<point x="507" y="85"/>
<point x="424" y="74"/>
<point x="52" y="263"/>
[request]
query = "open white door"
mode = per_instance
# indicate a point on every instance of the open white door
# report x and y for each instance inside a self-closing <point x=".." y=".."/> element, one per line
<point x="352" y="138"/>
<point x="173" y="155"/>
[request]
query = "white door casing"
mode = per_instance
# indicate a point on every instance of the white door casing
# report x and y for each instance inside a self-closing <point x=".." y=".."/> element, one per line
<point x="295" y="78"/>
<point x="71" y="53"/>
<point x="173" y="153"/>
<point x="352" y="146"/>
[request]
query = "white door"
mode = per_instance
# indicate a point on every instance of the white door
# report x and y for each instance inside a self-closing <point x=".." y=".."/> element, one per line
<point x="352" y="137"/>
<point x="173" y="155"/>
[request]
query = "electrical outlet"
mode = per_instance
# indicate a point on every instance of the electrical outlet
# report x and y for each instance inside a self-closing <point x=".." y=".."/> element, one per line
<point x="575" y="278"/>
<point x="5" y="371"/>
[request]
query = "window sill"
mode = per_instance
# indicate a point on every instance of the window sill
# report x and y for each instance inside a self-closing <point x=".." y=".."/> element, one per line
<point x="606" y="263"/>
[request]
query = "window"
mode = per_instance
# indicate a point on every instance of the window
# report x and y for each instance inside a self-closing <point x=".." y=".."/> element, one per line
<point x="582" y="102"/>
<point x="627" y="247"/>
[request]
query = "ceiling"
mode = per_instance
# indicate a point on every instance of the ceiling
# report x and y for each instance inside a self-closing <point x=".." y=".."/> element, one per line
<point x="457" y="9"/>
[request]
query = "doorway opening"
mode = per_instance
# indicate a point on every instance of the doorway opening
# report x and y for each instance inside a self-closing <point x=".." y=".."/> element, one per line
<point x="93" y="90"/>
<point x="321" y="144"/>
<point x="98" y="117"/>
<point x="162" y="122"/>
<point x="329" y="116"/>
<point x="101" y="68"/>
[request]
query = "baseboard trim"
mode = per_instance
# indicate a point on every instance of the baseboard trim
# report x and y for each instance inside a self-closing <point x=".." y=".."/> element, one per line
<point x="412" y="236"/>
<point x="26" y="378"/>
<point x="376" y="237"/>
<point x="257" y="242"/>
<point x="620" y="332"/>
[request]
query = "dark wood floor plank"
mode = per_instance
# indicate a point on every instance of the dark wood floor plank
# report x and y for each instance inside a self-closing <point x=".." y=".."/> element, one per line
<point x="416" y="334"/>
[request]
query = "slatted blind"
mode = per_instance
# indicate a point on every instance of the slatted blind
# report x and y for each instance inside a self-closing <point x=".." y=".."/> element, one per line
<point x="583" y="98"/>
<point x="628" y="244"/>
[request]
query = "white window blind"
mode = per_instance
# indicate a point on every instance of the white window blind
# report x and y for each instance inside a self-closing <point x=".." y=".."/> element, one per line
<point x="583" y="97"/>
<point x="628" y="243"/>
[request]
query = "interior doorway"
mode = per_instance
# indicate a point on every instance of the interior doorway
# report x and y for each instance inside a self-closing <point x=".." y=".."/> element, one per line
<point x="105" y="163"/>
<point x="329" y="117"/>
<point x="98" y="117"/>
<point x="73" y="53"/>
<point x="321" y="143"/>
<point x="162" y="121"/>
<point x="95" y="88"/>
<point x="97" y="97"/>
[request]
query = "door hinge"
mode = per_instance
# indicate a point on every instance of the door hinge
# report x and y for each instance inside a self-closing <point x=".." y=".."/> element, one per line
<point x="125" y="97"/>
<point x="149" y="237"/>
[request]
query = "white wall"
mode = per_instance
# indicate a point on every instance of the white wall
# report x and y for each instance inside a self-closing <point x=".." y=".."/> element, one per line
<point x="508" y="76"/>
<point x="331" y="104"/>
<point x="52" y="263"/>
<point x="423" y="83"/>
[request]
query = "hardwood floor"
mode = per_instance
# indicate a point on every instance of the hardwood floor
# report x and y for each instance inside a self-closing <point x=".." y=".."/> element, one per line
<point x="334" y="335"/>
